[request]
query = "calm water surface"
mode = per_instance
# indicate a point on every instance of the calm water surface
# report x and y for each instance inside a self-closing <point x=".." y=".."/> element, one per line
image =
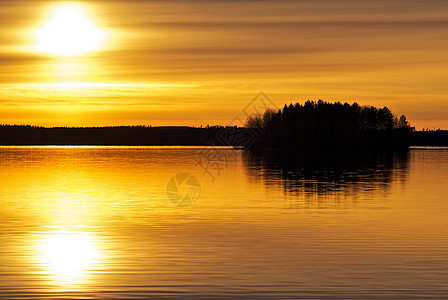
<point x="96" y="223"/>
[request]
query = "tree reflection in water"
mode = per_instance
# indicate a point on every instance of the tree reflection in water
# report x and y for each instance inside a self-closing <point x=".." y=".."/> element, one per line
<point x="328" y="180"/>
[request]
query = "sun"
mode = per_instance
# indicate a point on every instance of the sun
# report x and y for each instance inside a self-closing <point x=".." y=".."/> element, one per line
<point x="69" y="31"/>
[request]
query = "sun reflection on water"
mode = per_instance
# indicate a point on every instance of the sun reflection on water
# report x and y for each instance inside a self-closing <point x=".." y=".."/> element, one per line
<point x="68" y="257"/>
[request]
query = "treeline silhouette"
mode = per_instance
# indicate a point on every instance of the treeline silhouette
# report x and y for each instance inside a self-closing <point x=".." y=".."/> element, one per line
<point x="255" y="138"/>
<point x="330" y="126"/>
<point x="429" y="138"/>
<point x="115" y="135"/>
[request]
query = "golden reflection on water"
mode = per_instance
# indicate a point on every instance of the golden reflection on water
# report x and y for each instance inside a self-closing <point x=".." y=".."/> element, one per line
<point x="95" y="222"/>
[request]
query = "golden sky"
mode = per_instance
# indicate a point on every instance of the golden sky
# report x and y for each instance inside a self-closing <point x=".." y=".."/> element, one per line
<point x="201" y="62"/>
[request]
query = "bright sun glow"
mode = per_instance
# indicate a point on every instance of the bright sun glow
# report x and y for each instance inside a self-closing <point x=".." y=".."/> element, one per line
<point x="69" y="31"/>
<point x="68" y="256"/>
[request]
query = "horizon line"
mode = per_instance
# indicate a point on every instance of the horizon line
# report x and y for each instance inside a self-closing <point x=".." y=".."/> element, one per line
<point x="156" y="126"/>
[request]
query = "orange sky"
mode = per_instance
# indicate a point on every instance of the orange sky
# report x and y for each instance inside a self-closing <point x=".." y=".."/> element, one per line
<point x="201" y="62"/>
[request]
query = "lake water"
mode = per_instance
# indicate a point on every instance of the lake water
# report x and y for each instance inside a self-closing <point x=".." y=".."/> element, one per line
<point x="102" y="223"/>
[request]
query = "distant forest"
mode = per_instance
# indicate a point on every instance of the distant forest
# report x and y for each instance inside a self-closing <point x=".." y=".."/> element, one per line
<point x="330" y="126"/>
<point x="309" y="127"/>
<point x="430" y="138"/>
<point x="116" y="135"/>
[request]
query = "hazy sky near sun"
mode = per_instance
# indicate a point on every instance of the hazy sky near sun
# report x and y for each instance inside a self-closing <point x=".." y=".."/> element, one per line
<point x="200" y="62"/>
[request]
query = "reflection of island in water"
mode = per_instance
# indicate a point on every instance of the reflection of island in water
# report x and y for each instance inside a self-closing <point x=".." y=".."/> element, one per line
<point x="328" y="180"/>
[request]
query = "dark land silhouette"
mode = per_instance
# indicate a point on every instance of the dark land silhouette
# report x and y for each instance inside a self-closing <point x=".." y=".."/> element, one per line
<point x="314" y="126"/>
<point x="320" y="126"/>
<point x="430" y="138"/>
<point x="120" y="135"/>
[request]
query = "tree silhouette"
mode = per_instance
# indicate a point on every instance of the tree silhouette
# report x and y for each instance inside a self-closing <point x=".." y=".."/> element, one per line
<point x="330" y="126"/>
